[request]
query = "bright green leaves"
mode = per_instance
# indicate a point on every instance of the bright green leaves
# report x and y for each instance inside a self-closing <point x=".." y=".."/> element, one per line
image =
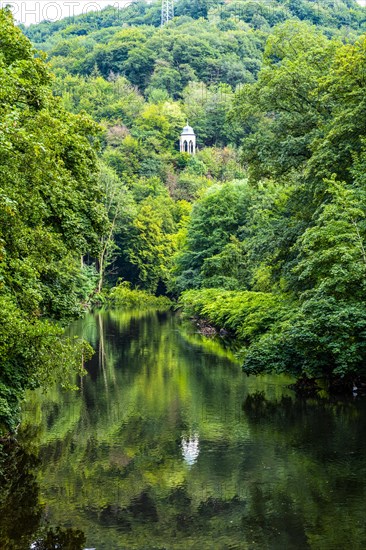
<point x="47" y="176"/>
<point x="102" y="99"/>
<point x="343" y="91"/>
<point x="51" y="214"/>
<point x="307" y="108"/>
<point x="32" y="352"/>
<point x="211" y="241"/>
<point x="234" y="238"/>
<point x="246" y="314"/>
<point x="332" y="257"/>
<point x="23" y="78"/>
<point x="304" y="243"/>
<point x="283" y="109"/>
<point x="149" y="248"/>
<point x="125" y="297"/>
<point x="226" y="268"/>
<point x="159" y="125"/>
<point x="324" y="338"/>
<point x="14" y="45"/>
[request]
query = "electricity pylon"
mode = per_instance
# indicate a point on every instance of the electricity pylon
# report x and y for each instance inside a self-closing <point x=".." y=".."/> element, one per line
<point x="167" y="11"/>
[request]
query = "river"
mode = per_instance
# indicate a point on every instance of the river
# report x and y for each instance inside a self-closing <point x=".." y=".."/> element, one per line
<point x="168" y="445"/>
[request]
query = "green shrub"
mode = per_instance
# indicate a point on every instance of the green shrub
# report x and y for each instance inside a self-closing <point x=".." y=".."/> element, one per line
<point x="33" y="353"/>
<point x="322" y="338"/>
<point x="124" y="295"/>
<point x="244" y="313"/>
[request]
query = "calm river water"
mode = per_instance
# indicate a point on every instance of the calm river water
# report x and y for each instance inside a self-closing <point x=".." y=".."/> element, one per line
<point x="168" y="445"/>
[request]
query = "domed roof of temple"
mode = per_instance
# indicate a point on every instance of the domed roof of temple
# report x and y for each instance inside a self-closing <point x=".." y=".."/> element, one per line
<point x="188" y="130"/>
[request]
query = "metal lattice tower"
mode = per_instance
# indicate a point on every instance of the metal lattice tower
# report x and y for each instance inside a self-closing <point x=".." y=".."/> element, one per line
<point x="167" y="11"/>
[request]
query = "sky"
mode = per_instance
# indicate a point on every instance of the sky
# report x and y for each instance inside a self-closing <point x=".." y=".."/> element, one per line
<point x="28" y="12"/>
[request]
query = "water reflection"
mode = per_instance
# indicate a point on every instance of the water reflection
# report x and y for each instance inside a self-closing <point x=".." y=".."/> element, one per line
<point x="190" y="448"/>
<point x="168" y="445"/>
<point x="22" y="513"/>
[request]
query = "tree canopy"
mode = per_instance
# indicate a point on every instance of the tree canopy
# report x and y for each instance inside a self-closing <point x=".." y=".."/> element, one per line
<point x="304" y="237"/>
<point x="51" y="216"/>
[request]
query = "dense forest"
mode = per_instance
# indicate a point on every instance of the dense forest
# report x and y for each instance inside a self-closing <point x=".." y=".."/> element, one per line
<point x="261" y="232"/>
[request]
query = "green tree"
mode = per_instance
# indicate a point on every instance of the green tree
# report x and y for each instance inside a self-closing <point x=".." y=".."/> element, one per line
<point x="51" y="216"/>
<point x="283" y="110"/>
<point x="119" y="207"/>
<point x="212" y="239"/>
<point x="331" y="253"/>
<point x="149" y="249"/>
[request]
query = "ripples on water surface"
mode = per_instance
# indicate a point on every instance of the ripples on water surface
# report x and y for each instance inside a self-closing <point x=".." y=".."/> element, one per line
<point x="167" y="445"/>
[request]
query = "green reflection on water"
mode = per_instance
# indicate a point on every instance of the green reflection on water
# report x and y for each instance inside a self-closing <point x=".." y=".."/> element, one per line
<point x="168" y="445"/>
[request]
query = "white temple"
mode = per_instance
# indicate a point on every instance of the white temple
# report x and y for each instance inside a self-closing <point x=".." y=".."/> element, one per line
<point x="187" y="140"/>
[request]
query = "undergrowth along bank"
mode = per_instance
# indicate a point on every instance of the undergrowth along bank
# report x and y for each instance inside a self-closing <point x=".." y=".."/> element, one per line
<point x="124" y="296"/>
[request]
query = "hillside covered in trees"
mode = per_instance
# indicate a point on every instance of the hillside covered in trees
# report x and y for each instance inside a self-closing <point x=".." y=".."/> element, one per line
<point x="262" y="232"/>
